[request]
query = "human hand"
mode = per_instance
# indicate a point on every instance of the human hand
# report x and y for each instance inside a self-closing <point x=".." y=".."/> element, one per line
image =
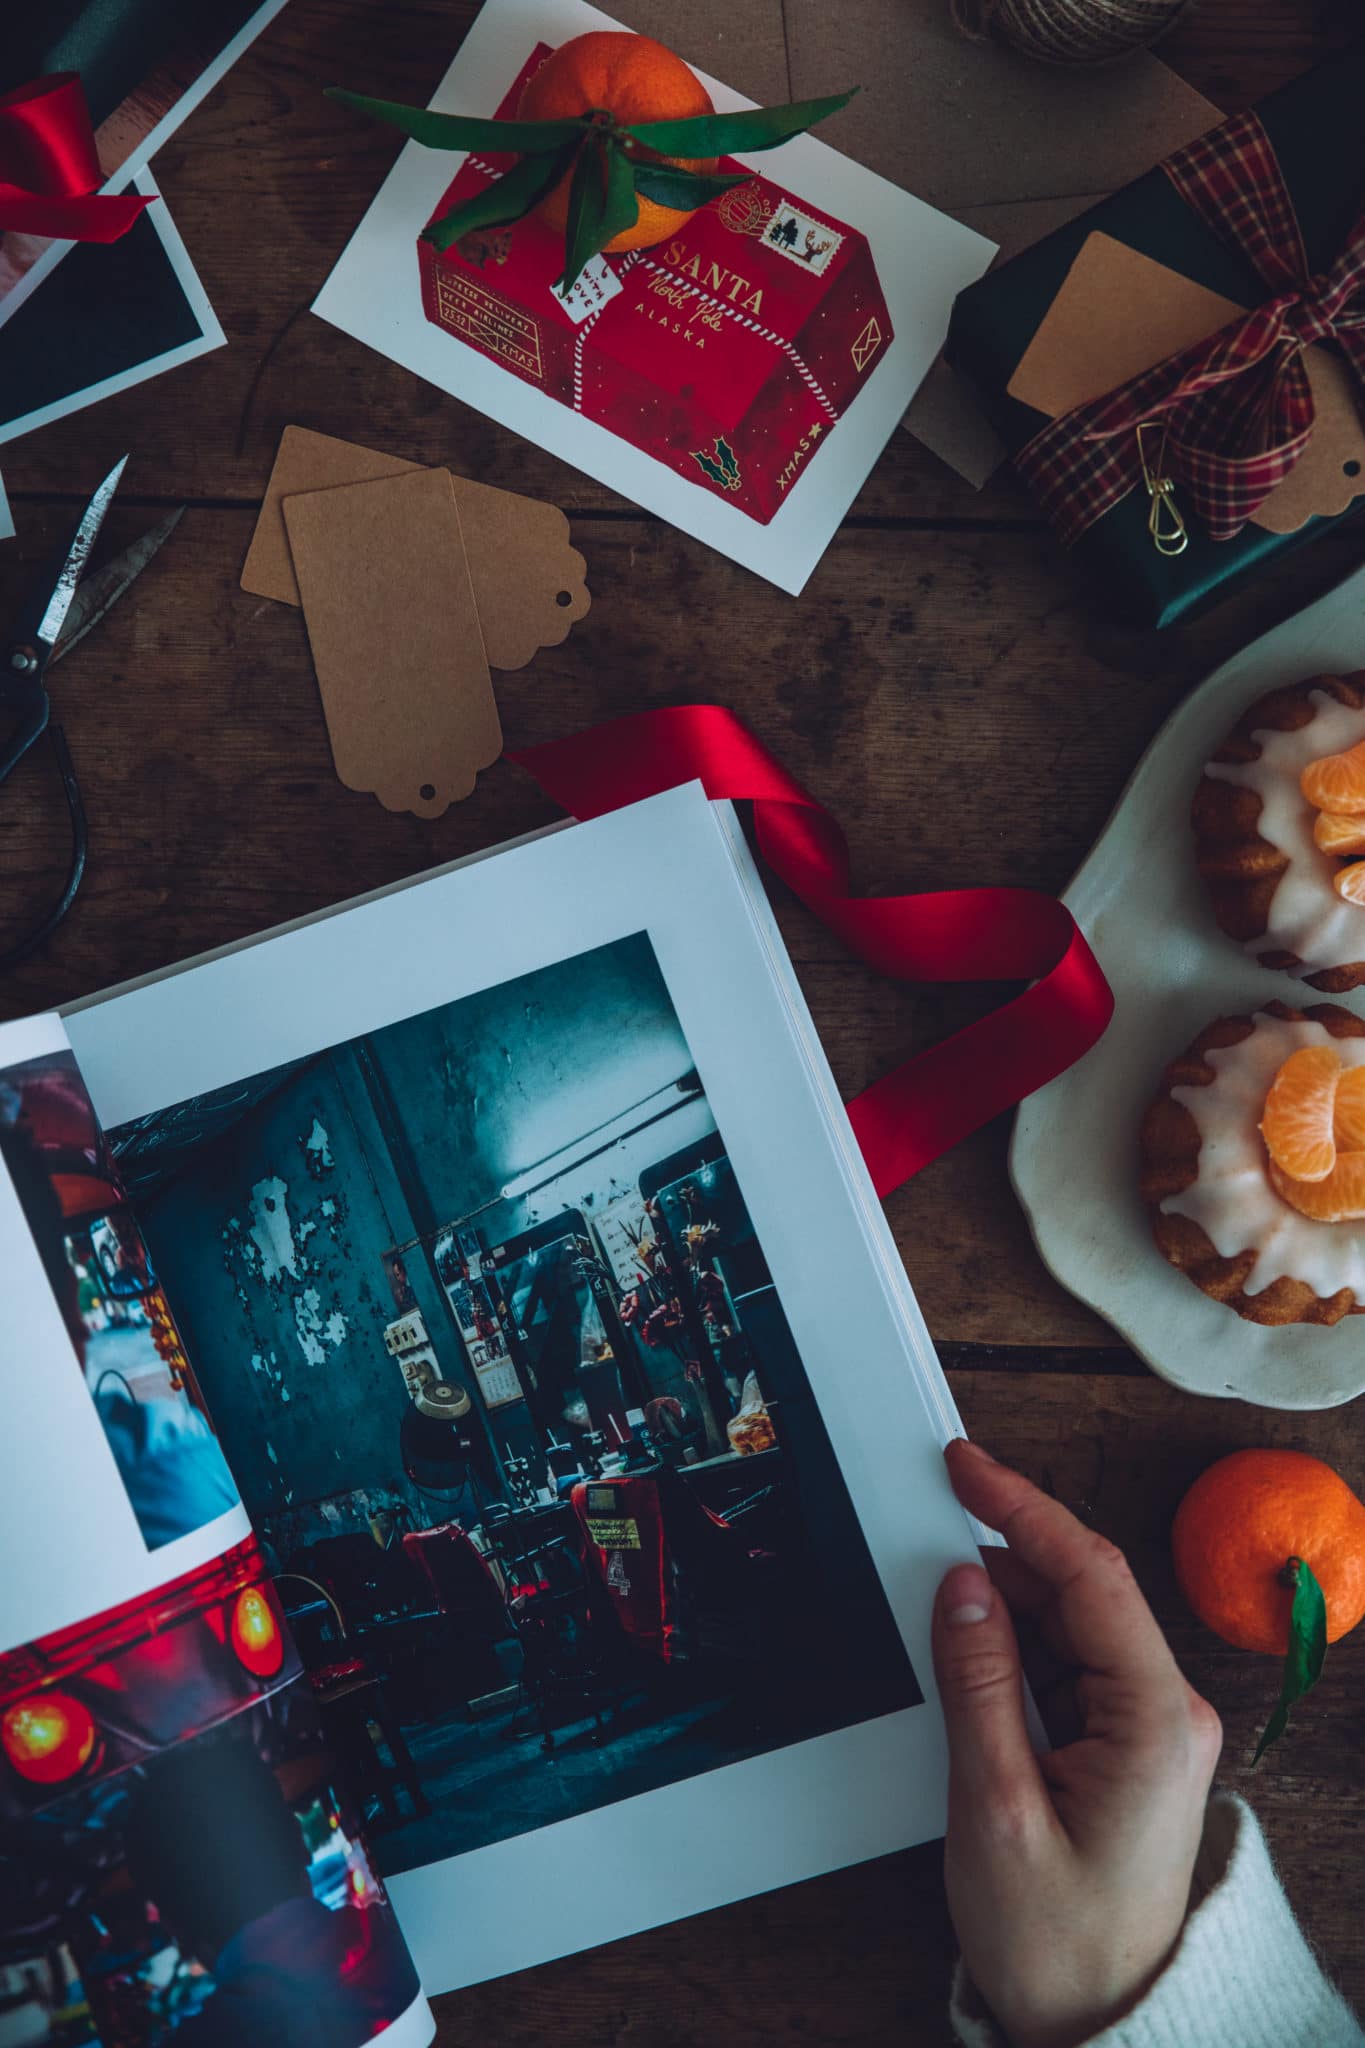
<point x="1068" y="1874"/>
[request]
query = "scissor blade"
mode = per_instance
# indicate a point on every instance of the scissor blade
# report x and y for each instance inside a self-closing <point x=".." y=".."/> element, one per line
<point x="86" y="534"/>
<point x="104" y="589"/>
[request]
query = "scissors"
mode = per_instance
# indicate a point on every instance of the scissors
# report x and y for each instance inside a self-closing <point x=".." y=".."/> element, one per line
<point x="59" y="609"/>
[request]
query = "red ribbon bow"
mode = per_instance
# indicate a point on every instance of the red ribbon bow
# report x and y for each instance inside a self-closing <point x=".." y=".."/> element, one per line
<point x="49" y="168"/>
<point x="1237" y="407"/>
<point x="929" y="1103"/>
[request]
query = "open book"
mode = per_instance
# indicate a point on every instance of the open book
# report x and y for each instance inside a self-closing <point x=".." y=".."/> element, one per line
<point x="471" y="1453"/>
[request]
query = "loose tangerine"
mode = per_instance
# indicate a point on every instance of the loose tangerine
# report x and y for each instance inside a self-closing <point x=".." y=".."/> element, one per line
<point x="1337" y="781"/>
<point x="635" y="79"/>
<point x="1297" y="1125"/>
<point x="1348" y="1114"/>
<point x="1340" y="1198"/>
<point x="1349" y="882"/>
<point x="1239" y="1525"/>
<point x="1337" y="833"/>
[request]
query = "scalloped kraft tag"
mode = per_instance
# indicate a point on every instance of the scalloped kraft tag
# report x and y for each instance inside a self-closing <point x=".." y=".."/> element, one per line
<point x="392" y="621"/>
<point x="530" y="584"/>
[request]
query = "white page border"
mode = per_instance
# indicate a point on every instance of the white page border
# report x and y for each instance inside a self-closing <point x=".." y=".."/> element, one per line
<point x="923" y="259"/>
<point x="65" y="1510"/>
<point x="815" y="1805"/>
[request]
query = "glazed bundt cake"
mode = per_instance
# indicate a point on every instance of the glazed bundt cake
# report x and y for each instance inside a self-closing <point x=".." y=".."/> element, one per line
<point x="1253" y="1164"/>
<point x="1279" y="825"/>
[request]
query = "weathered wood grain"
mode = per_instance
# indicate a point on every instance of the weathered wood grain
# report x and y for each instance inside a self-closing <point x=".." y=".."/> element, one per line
<point x="944" y="685"/>
<point x="947" y="693"/>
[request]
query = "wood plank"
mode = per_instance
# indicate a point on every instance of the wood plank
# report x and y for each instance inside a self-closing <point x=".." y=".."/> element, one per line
<point x="944" y="685"/>
<point x="947" y="694"/>
<point x="296" y="172"/>
<point x="1236" y="51"/>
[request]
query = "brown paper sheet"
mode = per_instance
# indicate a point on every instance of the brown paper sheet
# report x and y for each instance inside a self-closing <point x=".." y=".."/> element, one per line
<point x="394" y="628"/>
<point x="529" y="582"/>
<point x="1118" y="312"/>
<point x="980" y="131"/>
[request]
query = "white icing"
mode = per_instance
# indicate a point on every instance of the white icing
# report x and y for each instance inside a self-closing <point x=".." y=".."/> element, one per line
<point x="1232" y="1198"/>
<point x="1307" y="917"/>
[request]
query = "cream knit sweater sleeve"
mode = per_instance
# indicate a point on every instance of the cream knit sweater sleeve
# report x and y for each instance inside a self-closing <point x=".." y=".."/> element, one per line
<point x="1241" y="1976"/>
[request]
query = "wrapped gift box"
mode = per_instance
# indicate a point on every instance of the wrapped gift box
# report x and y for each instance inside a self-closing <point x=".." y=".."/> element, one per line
<point x="1142" y="275"/>
<point x="730" y="351"/>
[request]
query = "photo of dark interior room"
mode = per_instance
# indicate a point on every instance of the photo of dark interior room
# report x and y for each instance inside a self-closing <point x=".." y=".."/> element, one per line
<point x="481" y="1313"/>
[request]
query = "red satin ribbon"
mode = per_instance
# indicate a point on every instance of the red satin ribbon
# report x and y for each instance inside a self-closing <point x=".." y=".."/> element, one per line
<point x="49" y="169"/>
<point x="929" y="1103"/>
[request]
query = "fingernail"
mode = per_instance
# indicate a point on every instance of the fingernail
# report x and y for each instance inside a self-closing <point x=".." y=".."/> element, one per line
<point x="964" y="1443"/>
<point x="966" y="1596"/>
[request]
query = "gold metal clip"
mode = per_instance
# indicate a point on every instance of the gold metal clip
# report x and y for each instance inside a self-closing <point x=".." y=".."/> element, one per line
<point x="1169" y="533"/>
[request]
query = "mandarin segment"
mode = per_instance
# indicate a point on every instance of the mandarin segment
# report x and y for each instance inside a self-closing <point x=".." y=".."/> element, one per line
<point x="1349" y="882"/>
<point x="1338" y="1198"/>
<point x="1239" y="1525"/>
<point x="1297" y="1125"/>
<point x="1337" y="782"/>
<point x="1348" y="1115"/>
<point x="1336" y="833"/>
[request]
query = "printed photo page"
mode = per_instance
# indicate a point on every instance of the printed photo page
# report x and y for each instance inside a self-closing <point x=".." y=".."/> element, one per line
<point x="567" y="1371"/>
<point x="182" y="1857"/>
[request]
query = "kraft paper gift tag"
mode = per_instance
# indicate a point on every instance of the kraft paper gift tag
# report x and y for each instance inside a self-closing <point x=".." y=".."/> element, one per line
<point x="394" y="628"/>
<point x="1118" y="312"/>
<point x="528" y="581"/>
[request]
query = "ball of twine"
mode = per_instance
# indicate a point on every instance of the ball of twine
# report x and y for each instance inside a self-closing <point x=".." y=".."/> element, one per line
<point x="1069" y="31"/>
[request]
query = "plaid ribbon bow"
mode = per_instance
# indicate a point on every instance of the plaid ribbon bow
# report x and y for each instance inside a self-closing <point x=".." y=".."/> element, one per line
<point x="1237" y="407"/>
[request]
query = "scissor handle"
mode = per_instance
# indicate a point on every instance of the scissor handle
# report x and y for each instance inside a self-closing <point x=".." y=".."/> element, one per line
<point x="24" y="704"/>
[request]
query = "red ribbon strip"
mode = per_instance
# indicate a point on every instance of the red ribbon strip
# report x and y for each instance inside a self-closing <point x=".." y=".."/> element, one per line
<point x="1237" y="407"/>
<point x="931" y="1102"/>
<point x="49" y="168"/>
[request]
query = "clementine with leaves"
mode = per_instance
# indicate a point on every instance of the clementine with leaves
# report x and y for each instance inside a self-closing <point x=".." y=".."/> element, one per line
<point x="616" y="144"/>
<point x="633" y="78"/>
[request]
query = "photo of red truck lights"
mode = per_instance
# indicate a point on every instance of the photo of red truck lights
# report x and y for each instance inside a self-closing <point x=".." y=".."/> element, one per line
<point x="87" y="1702"/>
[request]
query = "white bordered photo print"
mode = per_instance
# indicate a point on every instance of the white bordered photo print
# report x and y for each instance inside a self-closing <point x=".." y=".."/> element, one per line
<point x="569" y="1374"/>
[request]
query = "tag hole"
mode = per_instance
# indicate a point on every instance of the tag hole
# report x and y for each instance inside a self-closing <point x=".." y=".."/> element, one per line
<point x="427" y="792"/>
<point x="566" y="596"/>
<point x="1350" y="469"/>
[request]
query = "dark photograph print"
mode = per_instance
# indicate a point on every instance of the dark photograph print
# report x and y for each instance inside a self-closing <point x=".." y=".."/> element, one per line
<point x="178" y="1865"/>
<point x="500" y="1366"/>
<point x="136" y="60"/>
<point x="123" y="1339"/>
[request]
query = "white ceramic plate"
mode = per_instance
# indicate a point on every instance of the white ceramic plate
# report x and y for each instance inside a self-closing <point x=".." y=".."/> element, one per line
<point x="1073" y="1159"/>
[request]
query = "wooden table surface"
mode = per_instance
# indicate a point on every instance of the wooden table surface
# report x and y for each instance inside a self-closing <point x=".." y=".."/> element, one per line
<point x="943" y="684"/>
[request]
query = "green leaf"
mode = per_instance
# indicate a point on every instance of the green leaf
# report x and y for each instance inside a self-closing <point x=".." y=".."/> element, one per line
<point x="1307" y="1648"/>
<point x="587" y="204"/>
<point x="668" y="185"/>
<point x="464" y="131"/>
<point x="511" y="198"/>
<point x="622" y="204"/>
<point x="601" y="203"/>
<point x="704" y="135"/>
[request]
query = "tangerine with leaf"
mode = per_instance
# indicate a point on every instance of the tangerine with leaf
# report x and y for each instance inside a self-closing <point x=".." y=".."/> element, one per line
<point x="616" y="141"/>
<point x="1269" y="1550"/>
<point x="631" y="78"/>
